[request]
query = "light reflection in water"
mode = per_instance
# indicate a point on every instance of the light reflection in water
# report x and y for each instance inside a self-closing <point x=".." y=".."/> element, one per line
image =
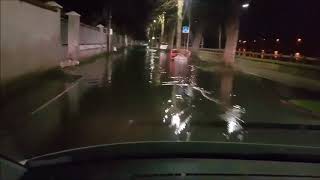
<point x="155" y="70"/>
<point x="178" y="111"/>
<point x="109" y="71"/>
<point x="178" y="125"/>
<point x="233" y="118"/>
<point x="232" y="113"/>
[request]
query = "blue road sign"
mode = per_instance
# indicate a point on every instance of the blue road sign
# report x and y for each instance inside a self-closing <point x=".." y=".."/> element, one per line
<point x="185" y="29"/>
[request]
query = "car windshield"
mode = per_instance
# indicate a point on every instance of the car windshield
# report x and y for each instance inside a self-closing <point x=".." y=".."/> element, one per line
<point x="85" y="73"/>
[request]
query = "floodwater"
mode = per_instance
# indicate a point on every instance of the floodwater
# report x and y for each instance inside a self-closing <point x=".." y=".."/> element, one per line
<point x="138" y="95"/>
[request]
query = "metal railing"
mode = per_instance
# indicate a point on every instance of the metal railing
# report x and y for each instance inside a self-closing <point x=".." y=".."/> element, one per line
<point x="273" y="57"/>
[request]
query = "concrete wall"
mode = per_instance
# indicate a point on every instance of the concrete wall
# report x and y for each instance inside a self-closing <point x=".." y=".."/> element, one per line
<point x="92" y="40"/>
<point x="30" y="39"/>
<point x="34" y="38"/>
<point x="87" y="51"/>
<point x="91" y="35"/>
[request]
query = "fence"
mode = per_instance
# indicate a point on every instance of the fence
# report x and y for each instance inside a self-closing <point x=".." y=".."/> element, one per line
<point x="297" y="58"/>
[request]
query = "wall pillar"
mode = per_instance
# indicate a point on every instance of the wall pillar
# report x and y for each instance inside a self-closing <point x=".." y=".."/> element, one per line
<point x="55" y="5"/>
<point x="73" y="35"/>
<point x="58" y="44"/>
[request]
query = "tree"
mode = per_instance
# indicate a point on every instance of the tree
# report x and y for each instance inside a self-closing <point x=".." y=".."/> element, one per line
<point x="162" y="22"/>
<point x="198" y="35"/>
<point x="180" y="4"/>
<point x="165" y="13"/>
<point x="164" y="10"/>
<point x="171" y="37"/>
<point x="232" y="32"/>
<point x="206" y="16"/>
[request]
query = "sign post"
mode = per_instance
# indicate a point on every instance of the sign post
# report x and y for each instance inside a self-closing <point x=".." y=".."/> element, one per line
<point x="186" y="30"/>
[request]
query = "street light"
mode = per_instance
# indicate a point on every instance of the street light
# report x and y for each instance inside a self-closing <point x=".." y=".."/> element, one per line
<point x="154" y="21"/>
<point x="246" y="5"/>
<point x="299" y="40"/>
<point x="278" y="40"/>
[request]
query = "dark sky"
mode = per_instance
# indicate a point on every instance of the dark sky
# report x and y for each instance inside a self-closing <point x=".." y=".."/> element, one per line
<point x="269" y="19"/>
<point x="286" y="20"/>
<point x="128" y="15"/>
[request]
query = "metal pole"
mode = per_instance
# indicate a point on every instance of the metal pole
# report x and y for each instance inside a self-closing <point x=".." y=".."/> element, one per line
<point x="202" y="42"/>
<point x="109" y="31"/>
<point x="220" y="36"/>
<point x="188" y="40"/>
<point x="185" y="39"/>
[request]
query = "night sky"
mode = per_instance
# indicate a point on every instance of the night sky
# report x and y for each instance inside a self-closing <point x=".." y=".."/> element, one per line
<point x="269" y="19"/>
<point x="131" y="16"/>
<point x="286" y="20"/>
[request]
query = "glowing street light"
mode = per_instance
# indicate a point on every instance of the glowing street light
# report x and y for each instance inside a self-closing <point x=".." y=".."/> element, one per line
<point x="246" y="5"/>
<point x="153" y="38"/>
<point x="278" y="40"/>
<point x="297" y="56"/>
<point x="299" y="40"/>
<point x="154" y="21"/>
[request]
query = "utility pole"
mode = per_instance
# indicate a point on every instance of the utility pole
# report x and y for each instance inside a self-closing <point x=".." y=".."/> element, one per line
<point x="190" y="8"/>
<point x="220" y="36"/>
<point x="202" y="42"/>
<point x="109" y="32"/>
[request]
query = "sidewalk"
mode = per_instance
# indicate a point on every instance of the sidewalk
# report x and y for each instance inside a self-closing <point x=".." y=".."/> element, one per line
<point x="282" y="77"/>
<point x="292" y="76"/>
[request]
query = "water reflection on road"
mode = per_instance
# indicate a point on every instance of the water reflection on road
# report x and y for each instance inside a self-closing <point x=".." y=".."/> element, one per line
<point x="180" y="107"/>
<point x="140" y="95"/>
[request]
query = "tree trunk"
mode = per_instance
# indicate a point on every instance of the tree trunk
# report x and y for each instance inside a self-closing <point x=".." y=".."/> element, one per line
<point x="179" y="23"/>
<point x="232" y="33"/>
<point x="171" y="38"/>
<point x="162" y="20"/>
<point x="162" y="32"/>
<point x="220" y="37"/>
<point x="197" y="38"/>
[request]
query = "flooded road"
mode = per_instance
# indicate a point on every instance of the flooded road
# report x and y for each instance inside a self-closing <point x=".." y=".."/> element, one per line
<point x="139" y="95"/>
